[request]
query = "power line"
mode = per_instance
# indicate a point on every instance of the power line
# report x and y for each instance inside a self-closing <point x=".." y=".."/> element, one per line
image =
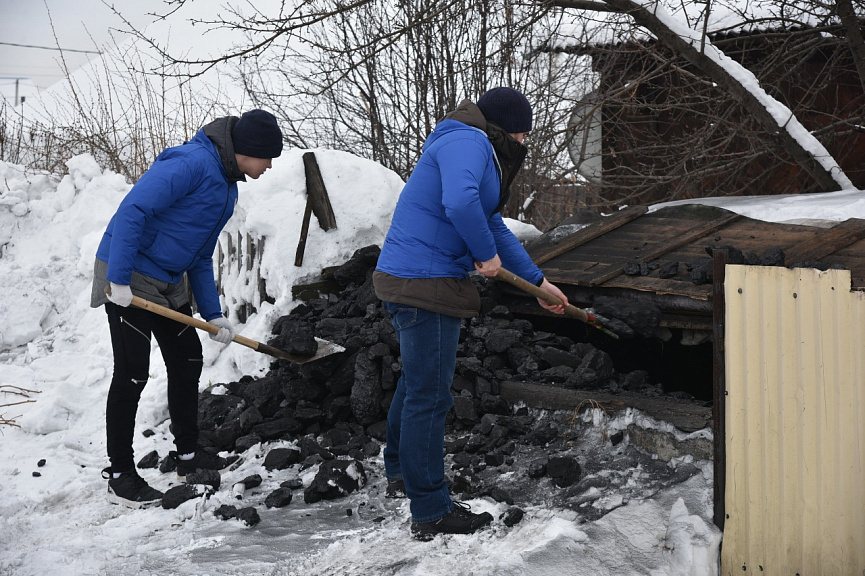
<point x="50" y="48"/>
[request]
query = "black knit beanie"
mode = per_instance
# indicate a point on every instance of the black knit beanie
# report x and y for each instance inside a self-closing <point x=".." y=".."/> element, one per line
<point x="257" y="134"/>
<point x="508" y="108"/>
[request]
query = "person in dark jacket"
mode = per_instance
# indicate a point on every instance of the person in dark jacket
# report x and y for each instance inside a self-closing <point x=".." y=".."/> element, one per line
<point x="447" y="223"/>
<point x="161" y="238"/>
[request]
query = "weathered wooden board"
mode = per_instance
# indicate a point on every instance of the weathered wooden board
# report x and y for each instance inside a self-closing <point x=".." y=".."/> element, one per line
<point x="688" y="417"/>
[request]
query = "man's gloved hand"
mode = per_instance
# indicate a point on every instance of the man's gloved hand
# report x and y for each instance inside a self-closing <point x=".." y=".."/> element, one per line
<point x="121" y="294"/>
<point x="226" y="330"/>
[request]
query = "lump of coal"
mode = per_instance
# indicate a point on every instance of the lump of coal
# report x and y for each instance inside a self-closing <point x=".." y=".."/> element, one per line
<point x="500" y="495"/>
<point x="669" y="270"/>
<point x="361" y="262"/>
<point x="302" y="344"/>
<point x="293" y="483"/>
<point x="278" y="498"/>
<point x="563" y="470"/>
<point x="335" y="479"/>
<point x="772" y="257"/>
<point x="225" y="512"/>
<point x="734" y="255"/>
<point x="281" y="458"/>
<point x="702" y="272"/>
<point x="643" y="318"/>
<point x="248" y="516"/>
<point x="512" y="517"/>
<point x="177" y="495"/>
<point x="149" y="460"/>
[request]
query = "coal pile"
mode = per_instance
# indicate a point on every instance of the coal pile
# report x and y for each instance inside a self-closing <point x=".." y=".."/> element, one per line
<point x="700" y="270"/>
<point x="335" y="408"/>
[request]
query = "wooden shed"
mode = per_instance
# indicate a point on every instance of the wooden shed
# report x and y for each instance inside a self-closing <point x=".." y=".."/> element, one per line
<point x="663" y="257"/>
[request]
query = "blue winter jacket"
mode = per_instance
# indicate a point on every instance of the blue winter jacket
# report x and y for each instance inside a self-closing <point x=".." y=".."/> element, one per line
<point x="169" y="222"/>
<point x="446" y="216"/>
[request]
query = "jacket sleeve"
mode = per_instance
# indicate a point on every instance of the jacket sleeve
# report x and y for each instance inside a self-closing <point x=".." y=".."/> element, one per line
<point x="155" y="191"/>
<point x="461" y="164"/>
<point x="512" y="254"/>
<point x="204" y="288"/>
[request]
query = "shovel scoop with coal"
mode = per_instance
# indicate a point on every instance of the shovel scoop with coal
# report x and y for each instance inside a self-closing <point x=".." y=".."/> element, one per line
<point x="615" y="317"/>
<point x="320" y="350"/>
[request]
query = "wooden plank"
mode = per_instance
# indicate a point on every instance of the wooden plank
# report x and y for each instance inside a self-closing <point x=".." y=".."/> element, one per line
<point x="685" y="416"/>
<point x="826" y="242"/>
<point x="304" y="231"/>
<point x="587" y="234"/>
<point x="695" y="232"/>
<point x="662" y="286"/>
<point x="317" y="193"/>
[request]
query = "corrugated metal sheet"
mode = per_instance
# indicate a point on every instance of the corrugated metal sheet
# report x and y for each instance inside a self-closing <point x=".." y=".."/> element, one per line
<point x="795" y="423"/>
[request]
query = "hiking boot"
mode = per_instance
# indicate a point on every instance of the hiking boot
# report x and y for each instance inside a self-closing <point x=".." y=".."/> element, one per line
<point x="203" y="461"/>
<point x="460" y="521"/>
<point x="131" y="490"/>
<point x="395" y="488"/>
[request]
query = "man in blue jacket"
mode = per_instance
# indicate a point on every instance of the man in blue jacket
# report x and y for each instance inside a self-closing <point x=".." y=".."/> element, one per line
<point x="161" y="237"/>
<point x="447" y="223"/>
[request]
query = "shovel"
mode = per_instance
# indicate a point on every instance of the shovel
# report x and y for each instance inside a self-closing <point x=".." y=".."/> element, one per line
<point x="612" y="328"/>
<point x="325" y="348"/>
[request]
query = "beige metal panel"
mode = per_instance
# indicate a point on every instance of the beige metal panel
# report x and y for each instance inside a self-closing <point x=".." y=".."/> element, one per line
<point x="795" y="423"/>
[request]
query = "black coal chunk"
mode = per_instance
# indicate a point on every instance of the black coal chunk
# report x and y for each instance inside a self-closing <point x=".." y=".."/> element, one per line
<point x="149" y="460"/>
<point x="278" y="498"/>
<point x="249" y="516"/>
<point x="225" y="512"/>
<point x="563" y="470"/>
<point x="335" y="479"/>
<point x="177" y="495"/>
<point x="512" y="516"/>
<point x="281" y="458"/>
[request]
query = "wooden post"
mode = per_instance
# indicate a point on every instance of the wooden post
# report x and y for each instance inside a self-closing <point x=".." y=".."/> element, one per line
<point x="304" y="230"/>
<point x="317" y="202"/>
<point x="719" y="386"/>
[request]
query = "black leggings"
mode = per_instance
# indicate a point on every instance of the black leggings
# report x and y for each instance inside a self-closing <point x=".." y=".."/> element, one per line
<point x="181" y="349"/>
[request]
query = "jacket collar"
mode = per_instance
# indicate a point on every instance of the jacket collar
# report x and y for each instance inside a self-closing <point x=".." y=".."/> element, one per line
<point x="219" y="132"/>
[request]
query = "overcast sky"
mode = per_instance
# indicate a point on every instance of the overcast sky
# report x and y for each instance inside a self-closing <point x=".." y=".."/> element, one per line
<point x="79" y="25"/>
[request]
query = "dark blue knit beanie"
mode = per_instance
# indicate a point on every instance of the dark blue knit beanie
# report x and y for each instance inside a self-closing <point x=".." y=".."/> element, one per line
<point x="257" y="134"/>
<point x="508" y="108"/>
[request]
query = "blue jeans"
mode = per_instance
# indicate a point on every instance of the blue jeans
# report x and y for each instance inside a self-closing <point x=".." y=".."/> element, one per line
<point x="416" y="420"/>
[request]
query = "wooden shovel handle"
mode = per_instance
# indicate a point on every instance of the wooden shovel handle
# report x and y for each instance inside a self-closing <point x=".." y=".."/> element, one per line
<point x="325" y="348"/>
<point x="537" y="292"/>
<point x="139" y="302"/>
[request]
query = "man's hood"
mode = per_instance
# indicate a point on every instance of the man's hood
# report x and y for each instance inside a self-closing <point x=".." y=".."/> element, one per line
<point x="468" y="116"/>
<point x="219" y="132"/>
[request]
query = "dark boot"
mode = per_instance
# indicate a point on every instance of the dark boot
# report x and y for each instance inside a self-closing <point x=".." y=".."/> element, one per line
<point x="131" y="490"/>
<point x="460" y="521"/>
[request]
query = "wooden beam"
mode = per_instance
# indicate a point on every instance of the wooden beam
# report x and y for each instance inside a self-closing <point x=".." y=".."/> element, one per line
<point x="587" y="234"/>
<point x="697" y="231"/>
<point x="317" y="193"/>
<point x="719" y="387"/>
<point x="826" y="242"/>
<point x="688" y="417"/>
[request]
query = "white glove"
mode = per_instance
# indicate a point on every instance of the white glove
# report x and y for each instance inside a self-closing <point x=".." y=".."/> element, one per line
<point x="226" y="330"/>
<point x="121" y="294"/>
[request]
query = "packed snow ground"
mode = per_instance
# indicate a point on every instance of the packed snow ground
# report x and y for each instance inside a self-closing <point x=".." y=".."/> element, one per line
<point x="53" y="511"/>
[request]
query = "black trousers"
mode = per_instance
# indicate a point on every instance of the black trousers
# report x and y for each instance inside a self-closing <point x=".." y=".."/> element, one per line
<point x="131" y="329"/>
